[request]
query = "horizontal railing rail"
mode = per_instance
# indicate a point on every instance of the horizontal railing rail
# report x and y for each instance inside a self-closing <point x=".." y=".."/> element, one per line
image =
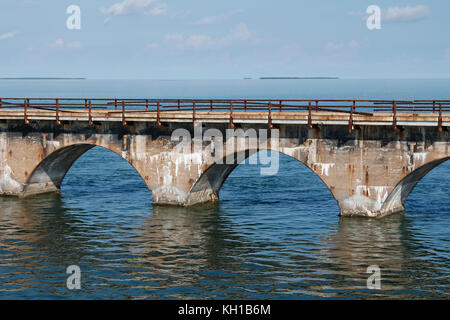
<point x="366" y="107"/>
<point x="352" y="107"/>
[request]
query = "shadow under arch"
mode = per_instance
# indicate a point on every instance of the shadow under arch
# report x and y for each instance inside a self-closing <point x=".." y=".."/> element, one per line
<point x="215" y="176"/>
<point x="403" y="189"/>
<point x="49" y="174"/>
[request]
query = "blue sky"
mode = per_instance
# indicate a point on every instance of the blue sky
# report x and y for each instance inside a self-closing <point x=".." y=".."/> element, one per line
<point x="209" y="39"/>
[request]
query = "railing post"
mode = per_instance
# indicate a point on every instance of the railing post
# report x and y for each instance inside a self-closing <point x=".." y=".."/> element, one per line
<point x="350" y="122"/>
<point x="231" y="115"/>
<point x="193" y="112"/>
<point x="90" y="113"/>
<point x="158" y="121"/>
<point x="440" y="118"/>
<point x="317" y="105"/>
<point x="124" y="121"/>
<point x="211" y="105"/>
<point x="179" y="106"/>
<point x="394" y="111"/>
<point x="245" y="105"/>
<point x="269" y="116"/>
<point x="281" y="102"/>
<point x="146" y="104"/>
<point x="0" y="103"/>
<point x="115" y="104"/>
<point x="25" y="111"/>
<point x="309" y="115"/>
<point x="57" y="111"/>
<point x="434" y="106"/>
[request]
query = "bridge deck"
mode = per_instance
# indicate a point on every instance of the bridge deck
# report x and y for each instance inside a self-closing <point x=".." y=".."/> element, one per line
<point x="326" y="118"/>
<point x="328" y="112"/>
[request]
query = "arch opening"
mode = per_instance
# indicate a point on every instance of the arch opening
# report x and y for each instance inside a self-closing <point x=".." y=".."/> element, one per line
<point x="399" y="195"/>
<point x="49" y="174"/>
<point x="284" y="180"/>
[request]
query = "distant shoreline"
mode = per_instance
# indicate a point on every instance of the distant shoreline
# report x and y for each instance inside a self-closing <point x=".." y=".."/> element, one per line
<point x="295" y="78"/>
<point x="42" y="78"/>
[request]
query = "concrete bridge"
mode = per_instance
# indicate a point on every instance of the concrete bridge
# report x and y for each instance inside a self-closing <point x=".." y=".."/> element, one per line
<point x="369" y="153"/>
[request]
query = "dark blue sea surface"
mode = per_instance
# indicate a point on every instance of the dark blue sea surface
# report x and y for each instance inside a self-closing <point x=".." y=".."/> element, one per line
<point x="270" y="237"/>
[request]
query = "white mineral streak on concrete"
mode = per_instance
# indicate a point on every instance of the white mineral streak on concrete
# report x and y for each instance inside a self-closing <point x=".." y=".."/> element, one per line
<point x="139" y="149"/>
<point x="395" y="199"/>
<point x="325" y="167"/>
<point x="358" y="203"/>
<point x="169" y="192"/>
<point x="168" y="165"/>
<point x="140" y="156"/>
<point x="361" y="190"/>
<point x="54" y="144"/>
<point x="312" y="150"/>
<point x="411" y="165"/>
<point x="167" y="176"/>
<point x="290" y="151"/>
<point x="294" y="152"/>
<point x="178" y="160"/>
<point x="441" y="146"/>
<point x="379" y="192"/>
<point x="8" y="185"/>
<point x="67" y="139"/>
<point x="420" y="156"/>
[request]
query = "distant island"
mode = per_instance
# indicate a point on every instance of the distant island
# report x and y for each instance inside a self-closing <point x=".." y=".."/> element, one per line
<point x="295" y="78"/>
<point x="42" y="78"/>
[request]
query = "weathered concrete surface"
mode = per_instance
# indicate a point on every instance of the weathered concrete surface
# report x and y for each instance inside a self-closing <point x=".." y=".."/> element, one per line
<point x="370" y="171"/>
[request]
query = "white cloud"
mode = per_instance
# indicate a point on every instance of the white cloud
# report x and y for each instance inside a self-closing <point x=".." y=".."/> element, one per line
<point x="196" y="41"/>
<point x="8" y="35"/>
<point x="174" y="37"/>
<point x="331" y="46"/>
<point x="239" y="33"/>
<point x="401" y="14"/>
<point x="209" y="20"/>
<point x="217" y="18"/>
<point x="152" y="7"/>
<point x="60" y="43"/>
<point x="339" y="46"/>
<point x="199" y="41"/>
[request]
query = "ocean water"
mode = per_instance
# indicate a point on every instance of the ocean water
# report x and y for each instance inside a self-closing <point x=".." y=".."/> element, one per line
<point x="270" y="237"/>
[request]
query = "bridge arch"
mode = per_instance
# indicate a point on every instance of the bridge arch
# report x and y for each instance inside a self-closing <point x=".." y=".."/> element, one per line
<point x="49" y="173"/>
<point x="213" y="178"/>
<point x="400" y="193"/>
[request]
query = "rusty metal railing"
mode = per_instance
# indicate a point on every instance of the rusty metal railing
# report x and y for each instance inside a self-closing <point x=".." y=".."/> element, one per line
<point x="351" y="107"/>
